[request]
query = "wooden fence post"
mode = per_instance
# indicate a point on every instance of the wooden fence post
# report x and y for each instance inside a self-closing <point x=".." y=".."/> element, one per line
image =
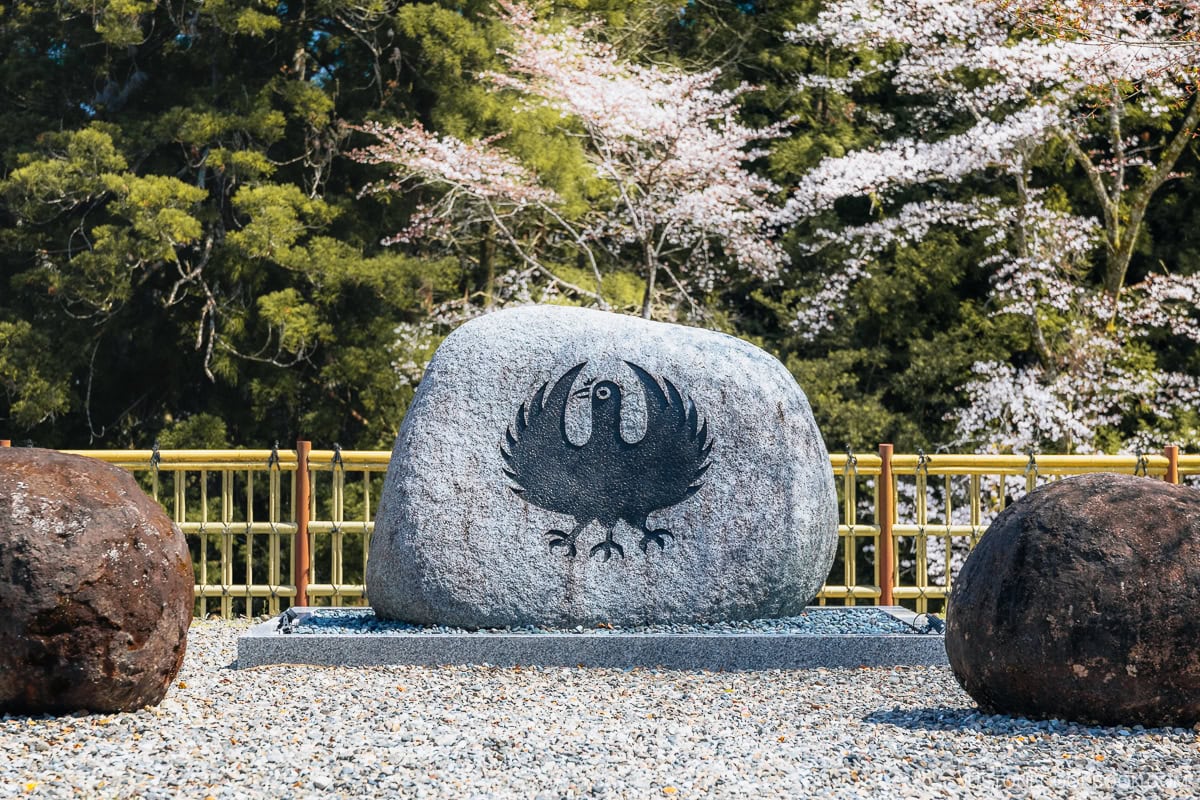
<point x="887" y="514"/>
<point x="1172" y="453"/>
<point x="303" y="448"/>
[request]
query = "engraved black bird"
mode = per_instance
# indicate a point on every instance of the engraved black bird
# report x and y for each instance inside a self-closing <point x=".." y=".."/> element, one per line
<point x="608" y="479"/>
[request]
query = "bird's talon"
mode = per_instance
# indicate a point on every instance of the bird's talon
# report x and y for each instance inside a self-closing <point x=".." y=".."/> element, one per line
<point x="659" y="537"/>
<point x="561" y="539"/>
<point x="607" y="547"/>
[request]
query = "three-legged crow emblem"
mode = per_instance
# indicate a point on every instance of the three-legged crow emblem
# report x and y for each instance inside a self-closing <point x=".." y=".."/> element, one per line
<point x="608" y="479"/>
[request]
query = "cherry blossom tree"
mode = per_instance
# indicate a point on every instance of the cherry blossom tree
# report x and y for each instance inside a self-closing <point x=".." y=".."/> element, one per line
<point x="990" y="103"/>
<point x="1086" y="20"/>
<point x="675" y="197"/>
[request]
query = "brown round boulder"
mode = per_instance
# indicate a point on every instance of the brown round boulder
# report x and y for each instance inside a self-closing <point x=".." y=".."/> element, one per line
<point x="95" y="587"/>
<point x="1082" y="602"/>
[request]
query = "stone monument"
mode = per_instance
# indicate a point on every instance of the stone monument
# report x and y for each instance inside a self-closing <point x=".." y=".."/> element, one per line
<point x="562" y="466"/>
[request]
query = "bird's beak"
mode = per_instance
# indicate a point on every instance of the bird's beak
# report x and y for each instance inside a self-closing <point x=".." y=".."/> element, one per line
<point x="586" y="391"/>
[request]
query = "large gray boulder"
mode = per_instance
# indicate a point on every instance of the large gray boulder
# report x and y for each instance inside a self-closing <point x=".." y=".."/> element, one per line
<point x="562" y="466"/>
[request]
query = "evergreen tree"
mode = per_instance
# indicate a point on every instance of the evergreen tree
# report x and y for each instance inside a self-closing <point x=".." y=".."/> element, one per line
<point x="186" y="253"/>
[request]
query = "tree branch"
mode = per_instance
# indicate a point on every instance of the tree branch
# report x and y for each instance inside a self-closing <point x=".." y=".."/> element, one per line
<point x="1111" y="213"/>
<point x="532" y="262"/>
<point x="1139" y="200"/>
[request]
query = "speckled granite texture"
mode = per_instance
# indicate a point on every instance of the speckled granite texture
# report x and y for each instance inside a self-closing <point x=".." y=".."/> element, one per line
<point x="455" y="545"/>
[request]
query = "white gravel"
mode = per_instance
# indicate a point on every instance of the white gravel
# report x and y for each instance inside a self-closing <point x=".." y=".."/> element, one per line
<point x="467" y="732"/>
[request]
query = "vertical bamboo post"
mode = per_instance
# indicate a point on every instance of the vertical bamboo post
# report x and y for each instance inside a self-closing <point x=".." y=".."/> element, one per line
<point x="1172" y="453"/>
<point x="886" y="518"/>
<point x="303" y="448"/>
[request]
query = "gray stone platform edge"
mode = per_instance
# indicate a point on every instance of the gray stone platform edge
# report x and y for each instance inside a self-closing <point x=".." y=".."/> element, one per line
<point x="263" y="646"/>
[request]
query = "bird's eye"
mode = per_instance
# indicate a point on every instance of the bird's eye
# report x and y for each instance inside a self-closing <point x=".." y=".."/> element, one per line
<point x="602" y="393"/>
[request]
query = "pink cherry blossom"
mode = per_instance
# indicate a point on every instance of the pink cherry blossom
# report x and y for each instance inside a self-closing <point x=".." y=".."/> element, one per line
<point x="666" y="143"/>
<point x="1024" y="89"/>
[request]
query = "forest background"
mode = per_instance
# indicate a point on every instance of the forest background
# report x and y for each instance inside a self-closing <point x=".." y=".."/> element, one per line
<point x="208" y="239"/>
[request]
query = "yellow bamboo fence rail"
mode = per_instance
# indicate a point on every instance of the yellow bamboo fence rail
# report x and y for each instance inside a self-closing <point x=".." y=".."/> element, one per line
<point x="268" y="529"/>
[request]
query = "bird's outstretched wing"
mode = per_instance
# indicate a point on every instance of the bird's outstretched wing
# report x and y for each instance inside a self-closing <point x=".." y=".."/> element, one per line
<point x="541" y="460"/>
<point x="673" y="455"/>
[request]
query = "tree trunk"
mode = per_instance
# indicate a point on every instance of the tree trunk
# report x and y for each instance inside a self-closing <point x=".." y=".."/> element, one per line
<point x="486" y="271"/>
<point x="651" y="274"/>
<point x="1021" y="236"/>
<point x="1124" y="240"/>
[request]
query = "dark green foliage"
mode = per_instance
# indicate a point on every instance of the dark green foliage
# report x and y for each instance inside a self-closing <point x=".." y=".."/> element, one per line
<point x="182" y="240"/>
<point x="185" y="255"/>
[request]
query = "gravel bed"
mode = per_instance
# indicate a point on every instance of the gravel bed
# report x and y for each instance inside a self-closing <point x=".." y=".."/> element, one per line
<point x="860" y="620"/>
<point x="478" y="732"/>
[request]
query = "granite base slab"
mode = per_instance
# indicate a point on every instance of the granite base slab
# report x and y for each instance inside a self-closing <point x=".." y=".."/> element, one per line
<point x="267" y="644"/>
